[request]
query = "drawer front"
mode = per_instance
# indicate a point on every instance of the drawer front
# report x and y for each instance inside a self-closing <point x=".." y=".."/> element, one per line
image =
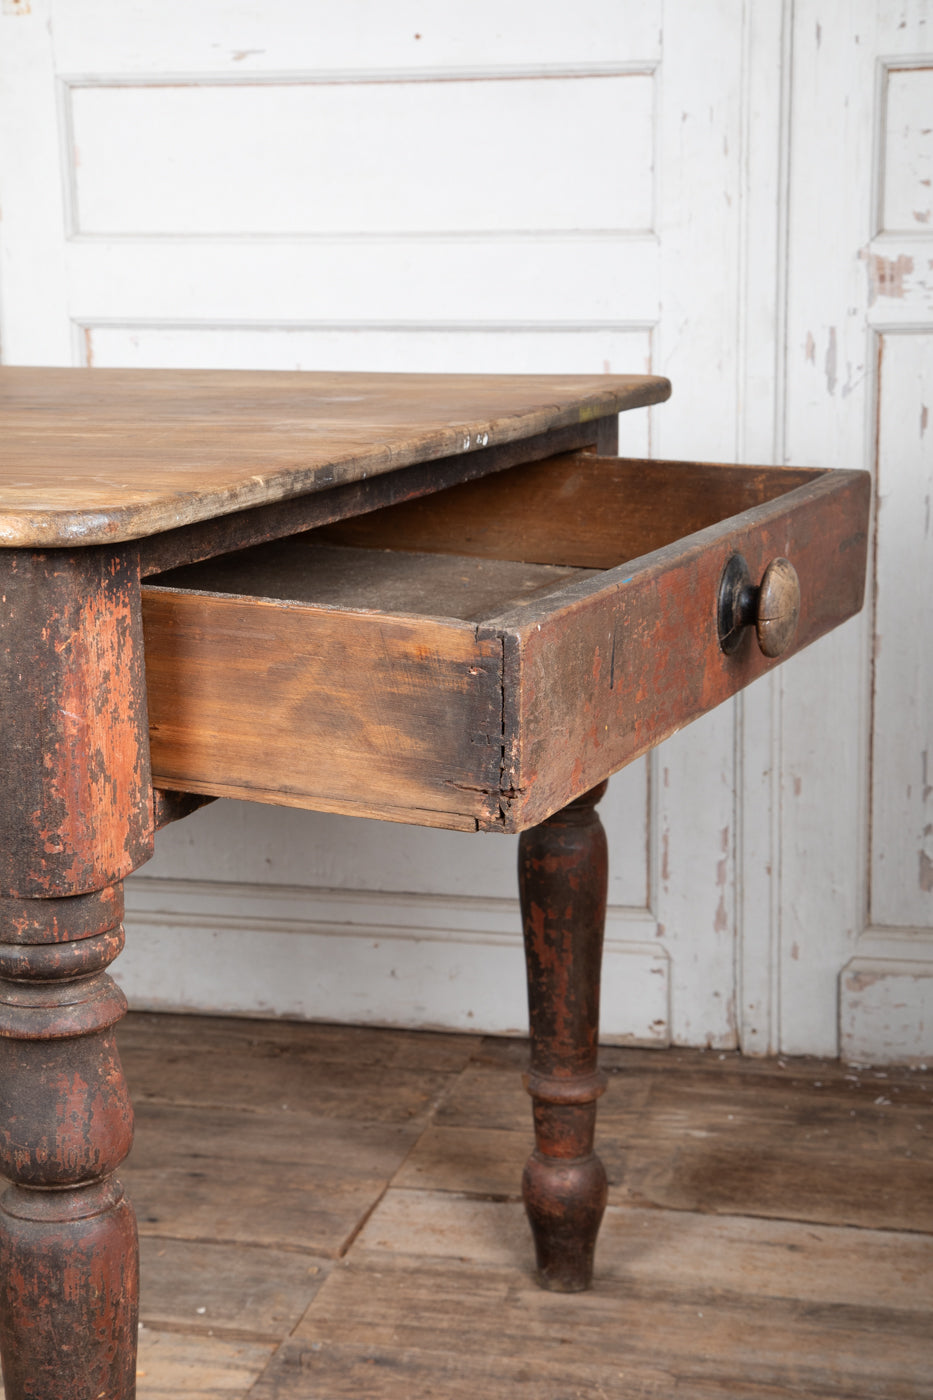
<point x="394" y="717"/>
<point x="495" y="723"/>
<point x="600" y="677"/>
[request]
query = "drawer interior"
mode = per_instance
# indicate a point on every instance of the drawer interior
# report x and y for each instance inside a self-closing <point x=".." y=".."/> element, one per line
<point x="478" y="549"/>
<point x="308" y="569"/>
<point x="476" y="658"/>
<point x="575" y="510"/>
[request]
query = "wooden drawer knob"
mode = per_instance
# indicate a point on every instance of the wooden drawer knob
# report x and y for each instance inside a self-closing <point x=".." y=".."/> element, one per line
<point x="778" y="607"/>
<point x="773" y="607"/>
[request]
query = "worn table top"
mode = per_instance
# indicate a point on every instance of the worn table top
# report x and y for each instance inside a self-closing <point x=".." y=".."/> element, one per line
<point x="94" y="456"/>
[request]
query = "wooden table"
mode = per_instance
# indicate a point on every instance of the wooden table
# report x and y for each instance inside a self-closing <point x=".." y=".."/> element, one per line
<point x="433" y="599"/>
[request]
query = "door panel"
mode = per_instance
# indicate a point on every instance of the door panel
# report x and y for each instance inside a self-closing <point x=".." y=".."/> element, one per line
<point x="856" y="915"/>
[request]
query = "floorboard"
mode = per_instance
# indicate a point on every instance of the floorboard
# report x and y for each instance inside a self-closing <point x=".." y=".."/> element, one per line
<point x="330" y="1212"/>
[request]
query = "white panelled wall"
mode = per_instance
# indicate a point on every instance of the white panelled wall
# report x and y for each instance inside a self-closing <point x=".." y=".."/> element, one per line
<point x="734" y="193"/>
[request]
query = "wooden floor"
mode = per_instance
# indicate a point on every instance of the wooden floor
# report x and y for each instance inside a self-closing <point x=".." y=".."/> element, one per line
<point x="330" y="1212"/>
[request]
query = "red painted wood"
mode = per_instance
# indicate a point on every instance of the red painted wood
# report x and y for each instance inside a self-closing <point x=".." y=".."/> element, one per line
<point x="75" y="790"/>
<point x="68" y="1251"/>
<point x="563" y="875"/>
<point x="75" y="815"/>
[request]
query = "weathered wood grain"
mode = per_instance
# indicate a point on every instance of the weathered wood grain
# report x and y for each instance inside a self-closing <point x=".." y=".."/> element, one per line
<point x="816" y="1141"/>
<point x="235" y="1291"/>
<point x="237" y="1046"/>
<point x="280" y="701"/>
<point x="573" y="508"/>
<point x="693" y="1329"/>
<point x="706" y="1288"/>
<point x="276" y="520"/>
<point x="75" y="795"/>
<point x="363" y="1372"/>
<point x="340" y="703"/>
<point x="289" y="1181"/>
<point x="93" y="456"/>
<point x="323" y="1086"/>
<point x="172" y="1364"/>
<point x="308" y="569"/>
<point x="608" y="667"/>
<point x="75" y="817"/>
<point x="676" y="1250"/>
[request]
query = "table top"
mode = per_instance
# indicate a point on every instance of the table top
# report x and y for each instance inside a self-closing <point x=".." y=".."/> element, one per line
<point x="94" y="456"/>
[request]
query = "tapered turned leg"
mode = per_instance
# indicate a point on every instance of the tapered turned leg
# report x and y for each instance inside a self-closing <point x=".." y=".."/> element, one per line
<point x="75" y="818"/>
<point x="563" y="869"/>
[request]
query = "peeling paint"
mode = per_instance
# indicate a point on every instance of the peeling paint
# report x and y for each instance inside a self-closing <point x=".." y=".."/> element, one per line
<point x="851" y="384"/>
<point x="887" y="276"/>
<point x="721" y="921"/>
<point x="810" y="348"/>
<point x="926" y="873"/>
<point x="862" y="981"/>
<point x="831" y="358"/>
<point x="924" y="418"/>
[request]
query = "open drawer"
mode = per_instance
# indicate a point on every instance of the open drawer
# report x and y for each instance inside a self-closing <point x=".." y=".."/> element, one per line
<point x="477" y="658"/>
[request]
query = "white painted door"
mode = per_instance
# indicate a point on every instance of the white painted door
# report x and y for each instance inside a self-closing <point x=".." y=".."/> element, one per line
<point x="857" y="802"/>
<point x="507" y="186"/>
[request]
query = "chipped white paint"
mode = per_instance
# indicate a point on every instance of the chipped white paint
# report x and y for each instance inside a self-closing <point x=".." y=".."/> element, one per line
<point x="887" y="998"/>
<point x="902" y="752"/>
<point x="859" y="264"/>
<point x="906" y="183"/>
<point x="651" y="187"/>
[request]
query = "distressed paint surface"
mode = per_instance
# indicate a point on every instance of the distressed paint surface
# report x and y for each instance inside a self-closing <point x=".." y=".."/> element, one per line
<point x="907" y="192"/>
<point x="850" y="837"/>
<point x="68" y="1251"/>
<point x="563" y="874"/>
<point x="76" y="802"/>
<point x="902" y="753"/>
<point x="75" y="816"/>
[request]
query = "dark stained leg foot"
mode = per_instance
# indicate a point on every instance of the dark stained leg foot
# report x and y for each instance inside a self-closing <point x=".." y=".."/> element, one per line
<point x="562" y="882"/>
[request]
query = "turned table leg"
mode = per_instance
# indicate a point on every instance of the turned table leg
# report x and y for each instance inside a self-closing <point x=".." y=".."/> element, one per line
<point x="75" y="818"/>
<point x="68" y="1249"/>
<point x="562" y="883"/>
